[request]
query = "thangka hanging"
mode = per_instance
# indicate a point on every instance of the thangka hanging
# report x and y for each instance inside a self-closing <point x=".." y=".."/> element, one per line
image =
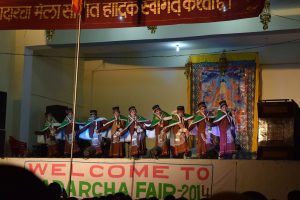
<point x="236" y="83"/>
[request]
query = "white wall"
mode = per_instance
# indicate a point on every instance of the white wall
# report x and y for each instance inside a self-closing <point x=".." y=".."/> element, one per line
<point x="143" y="87"/>
<point x="281" y="83"/>
<point x="11" y="73"/>
<point x="7" y="60"/>
<point x="280" y="66"/>
<point x="52" y="84"/>
<point x="281" y="71"/>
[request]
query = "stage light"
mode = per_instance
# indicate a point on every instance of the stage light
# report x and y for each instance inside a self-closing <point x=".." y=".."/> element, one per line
<point x="177" y="48"/>
<point x="121" y="18"/>
<point x="224" y="8"/>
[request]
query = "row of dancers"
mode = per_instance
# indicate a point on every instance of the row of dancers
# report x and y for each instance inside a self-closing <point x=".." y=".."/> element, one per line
<point x="173" y="133"/>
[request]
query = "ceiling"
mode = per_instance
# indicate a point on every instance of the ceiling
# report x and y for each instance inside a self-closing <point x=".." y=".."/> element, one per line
<point x="234" y="41"/>
<point x="284" y="3"/>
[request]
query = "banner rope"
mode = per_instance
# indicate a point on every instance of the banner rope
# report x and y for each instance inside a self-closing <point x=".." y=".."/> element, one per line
<point x="74" y="100"/>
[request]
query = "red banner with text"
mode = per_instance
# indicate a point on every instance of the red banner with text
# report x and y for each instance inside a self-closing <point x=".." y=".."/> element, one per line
<point x="58" y="14"/>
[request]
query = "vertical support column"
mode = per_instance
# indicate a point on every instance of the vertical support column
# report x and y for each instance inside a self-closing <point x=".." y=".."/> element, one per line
<point x="26" y="97"/>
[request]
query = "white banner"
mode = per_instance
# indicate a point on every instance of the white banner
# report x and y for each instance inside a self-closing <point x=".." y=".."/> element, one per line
<point x="139" y="179"/>
<point x="190" y="178"/>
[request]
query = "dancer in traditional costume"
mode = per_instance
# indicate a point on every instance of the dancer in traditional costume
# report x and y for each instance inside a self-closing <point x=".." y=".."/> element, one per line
<point x="48" y="133"/>
<point x="91" y="131"/>
<point x="162" y="143"/>
<point x="136" y="128"/>
<point x="201" y="125"/>
<point x="179" y="127"/>
<point x="65" y="133"/>
<point x="115" y="127"/>
<point x="225" y="122"/>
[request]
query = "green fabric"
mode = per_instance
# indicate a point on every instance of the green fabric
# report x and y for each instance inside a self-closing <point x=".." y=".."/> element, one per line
<point x="111" y="120"/>
<point x="187" y="116"/>
<point x="175" y="119"/>
<point x="220" y="115"/>
<point x="66" y="122"/>
<point x="122" y="118"/>
<point x="139" y="119"/>
<point x="173" y="123"/>
<point x="165" y="117"/>
<point x="89" y="121"/>
<point x="198" y="118"/>
<point x="48" y="124"/>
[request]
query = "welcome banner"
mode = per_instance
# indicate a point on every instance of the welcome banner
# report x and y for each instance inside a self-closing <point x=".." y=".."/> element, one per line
<point x="191" y="178"/>
<point x="144" y="179"/>
<point x="58" y="14"/>
<point x="138" y="178"/>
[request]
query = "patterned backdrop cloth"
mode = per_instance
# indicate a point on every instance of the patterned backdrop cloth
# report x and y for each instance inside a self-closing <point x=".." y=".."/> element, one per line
<point x="236" y="84"/>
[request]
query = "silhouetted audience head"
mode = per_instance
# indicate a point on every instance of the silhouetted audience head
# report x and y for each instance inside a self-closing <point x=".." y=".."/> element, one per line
<point x="55" y="190"/>
<point x="182" y="198"/>
<point x="119" y="196"/>
<point x="127" y="197"/>
<point x="19" y="183"/>
<point x="110" y="197"/>
<point x="153" y="198"/>
<point x="170" y="197"/>
<point x="253" y="195"/>
<point x="228" y="196"/>
<point x="294" y="195"/>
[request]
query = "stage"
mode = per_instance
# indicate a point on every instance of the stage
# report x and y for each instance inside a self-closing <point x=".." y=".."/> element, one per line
<point x="191" y="178"/>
